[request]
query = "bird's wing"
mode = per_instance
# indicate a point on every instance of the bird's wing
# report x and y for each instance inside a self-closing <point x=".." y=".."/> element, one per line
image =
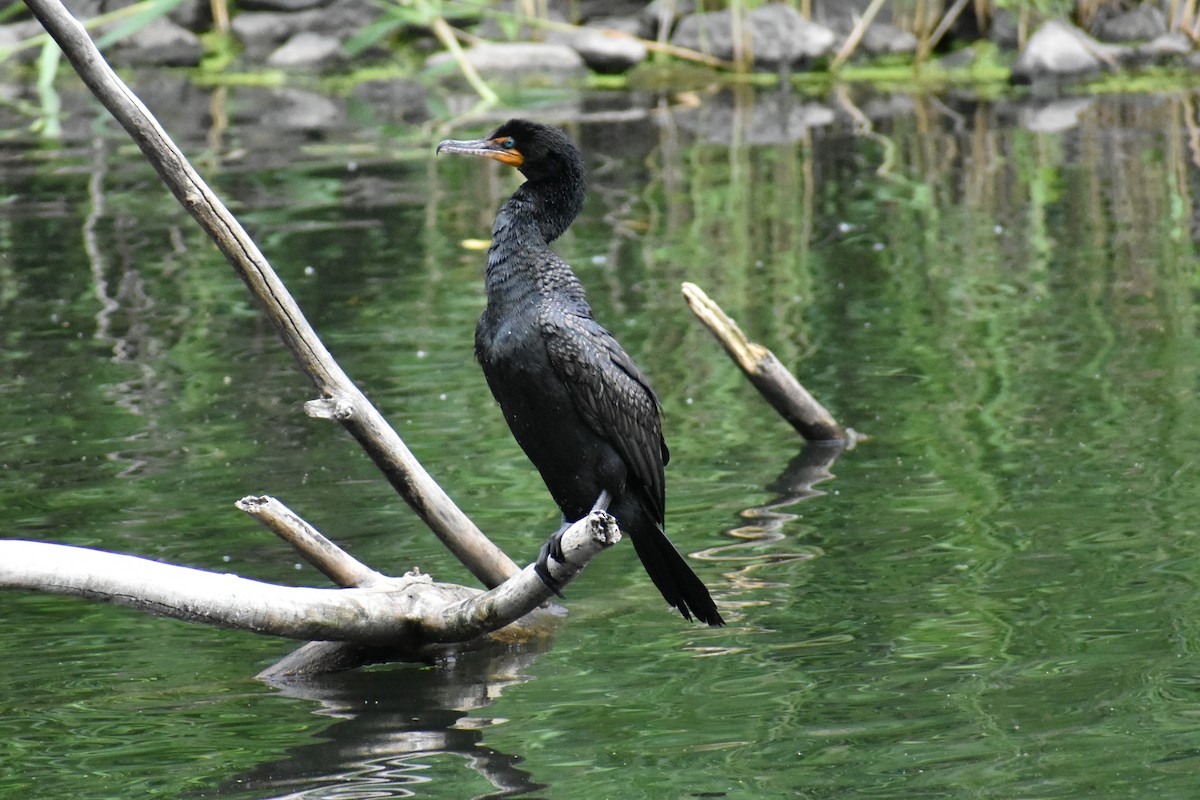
<point x="610" y="393"/>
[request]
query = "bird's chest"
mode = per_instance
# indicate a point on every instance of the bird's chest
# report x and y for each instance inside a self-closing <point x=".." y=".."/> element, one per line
<point x="509" y="339"/>
<point x="512" y="349"/>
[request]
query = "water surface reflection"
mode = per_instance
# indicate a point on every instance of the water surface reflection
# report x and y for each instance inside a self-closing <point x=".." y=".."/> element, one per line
<point x="996" y="596"/>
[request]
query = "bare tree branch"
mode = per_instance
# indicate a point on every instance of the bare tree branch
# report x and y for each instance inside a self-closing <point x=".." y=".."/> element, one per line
<point x="769" y="376"/>
<point x="407" y="612"/>
<point x="343" y="400"/>
<point x="337" y="565"/>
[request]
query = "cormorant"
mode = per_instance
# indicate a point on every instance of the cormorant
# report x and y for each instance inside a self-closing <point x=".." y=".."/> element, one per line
<point x="576" y="403"/>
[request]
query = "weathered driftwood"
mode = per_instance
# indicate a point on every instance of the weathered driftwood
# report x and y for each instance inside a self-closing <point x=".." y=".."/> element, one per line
<point x="769" y="376"/>
<point x="403" y="614"/>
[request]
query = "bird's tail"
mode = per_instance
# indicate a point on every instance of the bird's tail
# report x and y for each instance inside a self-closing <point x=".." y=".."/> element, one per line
<point x="672" y="575"/>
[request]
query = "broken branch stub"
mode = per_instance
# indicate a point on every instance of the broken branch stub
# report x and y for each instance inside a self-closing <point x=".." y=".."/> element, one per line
<point x="773" y="380"/>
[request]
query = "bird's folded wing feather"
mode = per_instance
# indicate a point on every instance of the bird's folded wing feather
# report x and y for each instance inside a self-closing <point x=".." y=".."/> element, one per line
<point x="610" y="393"/>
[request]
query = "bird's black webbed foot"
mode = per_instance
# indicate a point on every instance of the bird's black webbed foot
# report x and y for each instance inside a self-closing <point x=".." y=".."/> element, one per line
<point x="551" y="549"/>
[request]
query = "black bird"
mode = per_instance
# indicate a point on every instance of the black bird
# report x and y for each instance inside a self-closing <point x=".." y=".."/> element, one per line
<point x="576" y="403"/>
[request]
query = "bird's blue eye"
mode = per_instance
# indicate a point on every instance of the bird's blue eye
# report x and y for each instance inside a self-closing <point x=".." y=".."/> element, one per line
<point x="508" y="143"/>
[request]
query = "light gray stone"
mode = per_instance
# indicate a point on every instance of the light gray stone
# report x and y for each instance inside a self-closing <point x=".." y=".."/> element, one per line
<point x="261" y="32"/>
<point x="603" y="51"/>
<point x="1139" y="24"/>
<point x="1060" y="50"/>
<point x="884" y="39"/>
<point x="307" y="50"/>
<point x="778" y="35"/>
<point x="160" y="43"/>
<point x="1165" y="48"/>
<point x="286" y="6"/>
<point x="529" y="62"/>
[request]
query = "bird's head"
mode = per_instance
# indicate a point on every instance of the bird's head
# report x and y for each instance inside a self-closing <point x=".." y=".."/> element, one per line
<point x="537" y="150"/>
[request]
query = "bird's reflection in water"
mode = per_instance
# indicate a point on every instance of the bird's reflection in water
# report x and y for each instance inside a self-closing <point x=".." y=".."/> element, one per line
<point x="390" y="721"/>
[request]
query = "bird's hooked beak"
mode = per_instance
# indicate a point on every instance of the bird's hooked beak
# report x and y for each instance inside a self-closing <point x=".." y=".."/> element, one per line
<point x="501" y="149"/>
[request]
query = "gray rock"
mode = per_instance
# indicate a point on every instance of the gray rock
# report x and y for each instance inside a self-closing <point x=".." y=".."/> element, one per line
<point x="840" y="15"/>
<point x="264" y="31"/>
<point x="161" y="43"/>
<point x="495" y="29"/>
<point x="280" y="5"/>
<point x="707" y="33"/>
<point x="342" y="18"/>
<point x="592" y="10"/>
<point x="526" y="62"/>
<point x="1059" y="50"/>
<point x="260" y="33"/>
<point x="601" y="50"/>
<point x="884" y="39"/>
<point x="1140" y="24"/>
<point x="779" y="35"/>
<point x="307" y="50"/>
<point x="195" y="16"/>
<point x="1167" y="47"/>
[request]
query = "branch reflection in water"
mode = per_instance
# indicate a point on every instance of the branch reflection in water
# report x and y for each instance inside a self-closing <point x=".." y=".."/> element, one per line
<point x="755" y="549"/>
<point x="393" y="721"/>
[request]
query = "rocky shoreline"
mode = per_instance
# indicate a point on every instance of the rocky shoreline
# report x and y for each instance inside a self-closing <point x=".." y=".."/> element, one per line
<point x="300" y="109"/>
<point x="326" y="36"/>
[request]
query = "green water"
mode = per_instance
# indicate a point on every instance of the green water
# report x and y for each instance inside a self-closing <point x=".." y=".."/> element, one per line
<point x="995" y="596"/>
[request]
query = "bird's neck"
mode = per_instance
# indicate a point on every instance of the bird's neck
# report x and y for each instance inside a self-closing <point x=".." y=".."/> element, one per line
<point x="520" y="257"/>
<point x="552" y="202"/>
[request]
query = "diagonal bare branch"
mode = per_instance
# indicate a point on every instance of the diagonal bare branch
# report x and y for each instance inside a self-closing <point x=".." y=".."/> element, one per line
<point x="364" y="422"/>
<point x="766" y="372"/>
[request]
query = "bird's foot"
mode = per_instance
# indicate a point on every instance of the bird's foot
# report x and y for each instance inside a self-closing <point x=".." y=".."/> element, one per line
<point x="551" y="549"/>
